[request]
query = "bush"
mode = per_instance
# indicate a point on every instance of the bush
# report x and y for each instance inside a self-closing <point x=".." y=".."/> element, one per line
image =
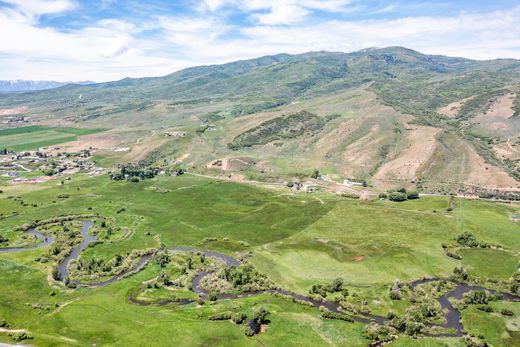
<point x="395" y="294"/>
<point x="248" y="330"/>
<point x="485" y="308"/>
<point x="383" y="196"/>
<point x="18" y="337"/>
<point x="460" y="272"/>
<point x="507" y="312"/>
<point x="397" y="196"/>
<point x="453" y="255"/>
<point x="239" y="317"/>
<point x="260" y="315"/>
<point x="467" y="239"/>
<point x="337" y="316"/>
<point x="56" y="274"/>
<point x="412" y="195"/>
<point x="221" y="316"/>
<point x="477" y="297"/>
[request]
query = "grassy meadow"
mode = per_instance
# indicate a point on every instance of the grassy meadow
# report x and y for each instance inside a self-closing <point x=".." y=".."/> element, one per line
<point x="296" y="240"/>
<point x="34" y="136"/>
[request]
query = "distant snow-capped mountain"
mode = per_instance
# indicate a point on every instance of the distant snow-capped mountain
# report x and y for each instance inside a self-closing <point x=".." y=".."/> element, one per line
<point x="8" y="86"/>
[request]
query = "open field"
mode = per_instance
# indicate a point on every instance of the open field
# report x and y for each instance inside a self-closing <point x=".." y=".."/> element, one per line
<point x="296" y="240"/>
<point x="34" y="137"/>
<point x="220" y="190"/>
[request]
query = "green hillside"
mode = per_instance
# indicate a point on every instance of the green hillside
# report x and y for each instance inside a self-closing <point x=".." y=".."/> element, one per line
<point x="374" y="108"/>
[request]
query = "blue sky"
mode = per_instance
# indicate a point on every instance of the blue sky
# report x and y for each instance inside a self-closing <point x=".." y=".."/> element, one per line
<point x="101" y="40"/>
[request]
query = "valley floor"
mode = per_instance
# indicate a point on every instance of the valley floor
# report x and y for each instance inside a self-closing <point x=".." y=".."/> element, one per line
<point x="294" y="240"/>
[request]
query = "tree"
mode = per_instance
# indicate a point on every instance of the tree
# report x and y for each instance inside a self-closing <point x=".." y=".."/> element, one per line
<point x="56" y="274"/>
<point x="163" y="259"/>
<point x="260" y="315"/>
<point x="467" y="239"/>
<point x="397" y="196"/>
<point x="412" y="195"/>
<point x="460" y="272"/>
<point x="316" y="174"/>
<point x="337" y="285"/>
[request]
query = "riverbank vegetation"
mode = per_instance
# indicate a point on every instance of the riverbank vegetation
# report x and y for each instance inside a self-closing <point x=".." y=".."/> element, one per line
<point x="361" y="253"/>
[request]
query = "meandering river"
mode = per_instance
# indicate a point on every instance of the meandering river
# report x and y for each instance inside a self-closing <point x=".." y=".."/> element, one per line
<point x="451" y="314"/>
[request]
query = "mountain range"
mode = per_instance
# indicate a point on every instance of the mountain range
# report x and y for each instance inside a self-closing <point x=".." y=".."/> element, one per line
<point x="391" y="116"/>
<point x="8" y="86"/>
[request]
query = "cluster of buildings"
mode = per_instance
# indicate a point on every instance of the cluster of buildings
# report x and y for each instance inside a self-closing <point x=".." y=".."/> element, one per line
<point x="44" y="164"/>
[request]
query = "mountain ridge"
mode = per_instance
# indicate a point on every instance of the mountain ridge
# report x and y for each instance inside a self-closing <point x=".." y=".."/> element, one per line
<point x="18" y="85"/>
<point x="380" y="106"/>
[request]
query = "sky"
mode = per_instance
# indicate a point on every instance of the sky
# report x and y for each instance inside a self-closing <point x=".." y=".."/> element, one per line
<point x="105" y="40"/>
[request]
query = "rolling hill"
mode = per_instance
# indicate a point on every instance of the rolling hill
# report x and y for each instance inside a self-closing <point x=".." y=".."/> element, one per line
<point x="392" y="116"/>
<point x="9" y="86"/>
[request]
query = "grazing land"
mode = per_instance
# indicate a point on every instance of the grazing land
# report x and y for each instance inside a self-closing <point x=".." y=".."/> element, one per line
<point x="294" y="240"/>
<point x="34" y="137"/>
<point x="321" y="199"/>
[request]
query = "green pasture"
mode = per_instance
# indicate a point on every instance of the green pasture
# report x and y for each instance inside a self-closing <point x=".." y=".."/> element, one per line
<point x="34" y="137"/>
<point x="296" y="240"/>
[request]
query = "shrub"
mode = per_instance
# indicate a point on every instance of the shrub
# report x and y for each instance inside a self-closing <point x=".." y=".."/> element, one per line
<point x="337" y="316"/>
<point x="507" y="312"/>
<point x="412" y="195"/>
<point x="467" y="239"/>
<point x="453" y="255"/>
<point x="21" y="336"/>
<point x="56" y="274"/>
<point x="485" y="308"/>
<point x="248" y="330"/>
<point x="395" y="294"/>
<point x="460" y="272"/>
<point x="397" y="196"/>
<point x="260" y="315"/>
<point x="163" y="259"/>
<point x="239" y="317"/>
<point x="477" y="297"/>
<point x="375" y="332"/>
<point x="221" y="316"/>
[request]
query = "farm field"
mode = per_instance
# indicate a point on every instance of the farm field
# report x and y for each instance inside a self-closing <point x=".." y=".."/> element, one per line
<point x="34" y="137"/>
<point x="295" y="240"/>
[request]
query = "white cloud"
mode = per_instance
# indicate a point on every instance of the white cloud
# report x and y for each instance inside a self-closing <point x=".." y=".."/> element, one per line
<point x="116" y="48"/>
<point x="274" y="12"/>
<point x="42" y="7"/>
